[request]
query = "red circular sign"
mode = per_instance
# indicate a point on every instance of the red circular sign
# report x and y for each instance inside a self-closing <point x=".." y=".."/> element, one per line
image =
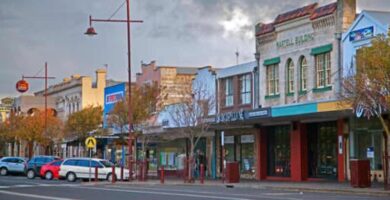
<point x="22" y="86"/>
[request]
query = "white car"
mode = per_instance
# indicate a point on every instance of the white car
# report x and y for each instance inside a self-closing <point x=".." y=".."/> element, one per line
<point x="78" y="168"/>
<point x="12" y="164"/>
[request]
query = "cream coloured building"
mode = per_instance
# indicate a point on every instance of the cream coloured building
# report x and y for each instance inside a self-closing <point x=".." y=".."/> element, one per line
<point x="77" y="92"/>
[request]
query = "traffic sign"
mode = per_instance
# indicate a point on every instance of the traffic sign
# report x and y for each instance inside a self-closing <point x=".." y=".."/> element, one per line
<point x="90" y="142"/>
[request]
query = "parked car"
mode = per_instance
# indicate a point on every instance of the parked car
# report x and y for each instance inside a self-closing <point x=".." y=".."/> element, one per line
<point x="51" y="170"/>
<point x="78" y="168"/>
<point x="12" y="165"/>
<point x="34" y="165"/>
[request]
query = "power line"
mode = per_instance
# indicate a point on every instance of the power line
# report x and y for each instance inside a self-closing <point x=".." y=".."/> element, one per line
<point x="117" y="10"/>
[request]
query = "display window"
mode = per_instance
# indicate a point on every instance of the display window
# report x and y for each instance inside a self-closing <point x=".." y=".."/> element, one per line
<point x="322" y="150"/>
<point x="278" y="139"/>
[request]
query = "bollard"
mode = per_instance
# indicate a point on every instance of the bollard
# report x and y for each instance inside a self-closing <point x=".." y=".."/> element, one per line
<point x="113" y="174"/>
<point x="96" y="174"/>
<point x="122" y="173"/>
<point x="201" y="173"/>
<point x="162" y="175"/>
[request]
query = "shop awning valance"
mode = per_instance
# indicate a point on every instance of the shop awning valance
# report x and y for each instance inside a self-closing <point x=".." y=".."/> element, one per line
<point x="321" y="49"/>
<point x="271" y="61"/>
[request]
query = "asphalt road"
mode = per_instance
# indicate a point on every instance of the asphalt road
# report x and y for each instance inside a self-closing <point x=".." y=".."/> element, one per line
<point x="21" y="188"/>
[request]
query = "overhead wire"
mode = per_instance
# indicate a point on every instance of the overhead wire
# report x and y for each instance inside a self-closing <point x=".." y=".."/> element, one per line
<point x="116" y="11"/>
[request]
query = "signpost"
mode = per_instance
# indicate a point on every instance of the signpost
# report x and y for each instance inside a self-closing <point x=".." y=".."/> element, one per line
<point x="90" y="143"/>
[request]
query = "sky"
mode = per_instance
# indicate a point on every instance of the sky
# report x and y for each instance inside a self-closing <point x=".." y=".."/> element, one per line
<point x="192" y="33"/>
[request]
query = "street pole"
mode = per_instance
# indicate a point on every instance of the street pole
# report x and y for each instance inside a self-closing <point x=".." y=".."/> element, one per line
<point x="91" y="32"/>
<point x="130" y="159"/>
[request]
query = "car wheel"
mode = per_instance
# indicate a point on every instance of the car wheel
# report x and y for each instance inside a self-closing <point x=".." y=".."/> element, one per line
<point x="48" y="175"/>
<point x="3" y="171"/>
<point x="71" y="177"/>
<point x="30" y="174"/>
<point x="109" y="177"/>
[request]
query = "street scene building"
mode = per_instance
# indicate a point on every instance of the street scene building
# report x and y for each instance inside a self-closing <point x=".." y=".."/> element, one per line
<point x="287" y="115"/>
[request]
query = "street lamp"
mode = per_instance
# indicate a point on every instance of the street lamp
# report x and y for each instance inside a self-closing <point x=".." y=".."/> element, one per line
<point x="91" y="32"/>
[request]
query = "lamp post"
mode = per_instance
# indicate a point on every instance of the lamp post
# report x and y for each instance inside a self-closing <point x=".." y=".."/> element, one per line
<point x="91" y="32"/>
<point x="45" y="94"/>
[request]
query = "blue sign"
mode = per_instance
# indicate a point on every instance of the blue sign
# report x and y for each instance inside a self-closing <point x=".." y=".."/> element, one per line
<point x="361" y="34"/>
<point x="258" y="113"/>
<point x="112" y="95"/>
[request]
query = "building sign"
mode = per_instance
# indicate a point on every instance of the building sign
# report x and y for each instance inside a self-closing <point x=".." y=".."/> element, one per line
<point x="247" y="139"/>
<point x="7" y="102"/>
<point x="229" y="140"/>
<point x="22" y="86"/>
<point x="114" y="97"/>
<point x="361" y="34"/>
<point x="295" y="41"/>
<point x="258" y="113"/>
<point x="230" y="116"/>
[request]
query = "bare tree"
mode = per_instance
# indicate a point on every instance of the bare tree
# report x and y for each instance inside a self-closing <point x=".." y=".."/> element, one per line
<point x="190" y="117"/>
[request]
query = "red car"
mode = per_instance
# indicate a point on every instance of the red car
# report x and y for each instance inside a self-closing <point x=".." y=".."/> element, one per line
<point x="50" y="170"/>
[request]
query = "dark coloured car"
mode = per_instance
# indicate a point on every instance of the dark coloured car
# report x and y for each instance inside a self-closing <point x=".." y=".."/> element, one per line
<point x="35" y="163"/>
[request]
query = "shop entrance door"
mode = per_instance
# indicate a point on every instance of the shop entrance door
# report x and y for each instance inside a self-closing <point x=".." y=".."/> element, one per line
<point x="322" y="150"/>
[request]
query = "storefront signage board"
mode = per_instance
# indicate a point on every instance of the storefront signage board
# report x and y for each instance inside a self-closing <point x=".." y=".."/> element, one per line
<point x="229" y="140"/>
<point x="230" y="117"/>
<point x="361" y="34"/>
<point x="247" y="139"/>
<point x="258" y="113"/>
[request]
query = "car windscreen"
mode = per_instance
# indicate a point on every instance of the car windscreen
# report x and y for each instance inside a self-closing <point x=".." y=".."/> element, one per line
<point x="106" y="163"/>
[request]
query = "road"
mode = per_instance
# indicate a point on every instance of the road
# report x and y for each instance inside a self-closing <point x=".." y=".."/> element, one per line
<point x="21" y="188"/>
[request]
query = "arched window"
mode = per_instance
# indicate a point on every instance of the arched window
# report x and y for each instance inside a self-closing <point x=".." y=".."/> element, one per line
<point x="303" y="74"/>
<point x="290" y="76"/>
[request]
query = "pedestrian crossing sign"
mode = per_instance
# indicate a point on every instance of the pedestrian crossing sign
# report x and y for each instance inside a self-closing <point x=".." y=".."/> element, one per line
<point x="90" y="142"/>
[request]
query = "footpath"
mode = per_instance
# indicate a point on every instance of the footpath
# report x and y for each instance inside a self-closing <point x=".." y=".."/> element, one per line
<point x="311" y="186"/>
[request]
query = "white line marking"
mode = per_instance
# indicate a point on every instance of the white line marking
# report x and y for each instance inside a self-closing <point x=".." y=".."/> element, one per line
<point x="4" y="187"/>
<point x="273" y="195"/>
<point x="33" y="195"/>
<point x="166" y="193"/>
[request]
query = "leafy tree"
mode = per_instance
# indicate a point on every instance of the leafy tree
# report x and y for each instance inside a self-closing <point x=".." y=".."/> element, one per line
<point x="32" y="130"/>
<point x="83" y="122"/>
<point x="367" y="88"/>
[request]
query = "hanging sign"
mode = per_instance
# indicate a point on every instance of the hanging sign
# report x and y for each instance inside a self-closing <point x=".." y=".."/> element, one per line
<point x="22" y="86"/>
<point x="361" y="34"/>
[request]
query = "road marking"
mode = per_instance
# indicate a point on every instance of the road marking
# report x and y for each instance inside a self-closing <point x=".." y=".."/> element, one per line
<point x="33" y="195"/>
<point x="4" y="187"/>
<point x="273" y="195"/>
<point x="167" y="193"/>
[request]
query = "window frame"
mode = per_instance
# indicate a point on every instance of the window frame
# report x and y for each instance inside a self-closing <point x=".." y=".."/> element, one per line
<point x="229" y="98"/>
<point x="303" y="74"/>
<point x="290" y="76"/>
<point x="272" y="79"/>
<point x="245" y="89"/>
<point x="323" y="70"/>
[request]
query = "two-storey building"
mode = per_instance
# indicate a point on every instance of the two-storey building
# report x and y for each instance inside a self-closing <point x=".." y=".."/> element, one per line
<point x="300" y="79"/>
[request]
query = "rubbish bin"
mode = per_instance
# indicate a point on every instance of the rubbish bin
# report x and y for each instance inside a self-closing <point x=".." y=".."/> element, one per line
<point x="232" y="172"/>
<point x="360" y="173"/>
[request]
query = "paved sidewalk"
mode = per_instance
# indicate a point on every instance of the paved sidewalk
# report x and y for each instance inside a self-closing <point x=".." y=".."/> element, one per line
<point x="311" y="186"/>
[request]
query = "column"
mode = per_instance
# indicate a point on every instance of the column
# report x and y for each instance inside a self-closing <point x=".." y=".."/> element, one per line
<point x="340" y="151"/>
<point x="298" y="159"/>
<point x="261" y="148"/>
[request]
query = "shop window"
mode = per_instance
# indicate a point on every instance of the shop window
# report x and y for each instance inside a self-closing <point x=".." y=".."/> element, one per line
<point x="290" y="76"/>
<point x="247" y="155"/>
<point x="369" y="146"/>
<point x="323" y="72"/>
<point x="272" y="80"/>
<point x="245" y="89"/>
<point x="229" y="92"/>
<point x="303" y="74"/>
<point x="279" y="151"/>
<point x="322" y="150"/>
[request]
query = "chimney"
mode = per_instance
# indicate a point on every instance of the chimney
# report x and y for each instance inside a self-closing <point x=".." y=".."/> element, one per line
<point x="346" y="12"/>
<point x="101" y="78"/>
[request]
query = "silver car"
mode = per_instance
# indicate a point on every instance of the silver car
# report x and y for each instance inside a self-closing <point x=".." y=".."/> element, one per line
<point x="12" y="164"/>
